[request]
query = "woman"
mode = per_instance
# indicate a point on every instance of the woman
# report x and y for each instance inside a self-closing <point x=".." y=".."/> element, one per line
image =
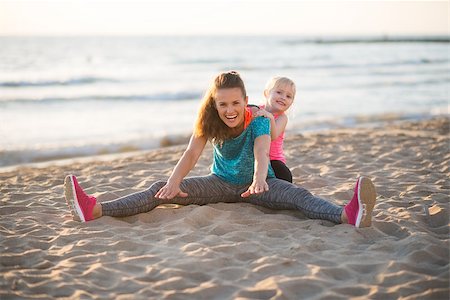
<point x="240" y="170"/>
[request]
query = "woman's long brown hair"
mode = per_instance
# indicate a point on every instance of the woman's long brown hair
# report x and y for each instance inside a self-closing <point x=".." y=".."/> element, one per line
<point x="209" y="124"/>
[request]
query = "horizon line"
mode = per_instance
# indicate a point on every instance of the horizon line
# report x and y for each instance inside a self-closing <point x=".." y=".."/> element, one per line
<point x="318" y="35"/>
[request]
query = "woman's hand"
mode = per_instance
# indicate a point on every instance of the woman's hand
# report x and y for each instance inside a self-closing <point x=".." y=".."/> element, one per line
<point x="257" y="187"/>
<point x="169" y="191"/>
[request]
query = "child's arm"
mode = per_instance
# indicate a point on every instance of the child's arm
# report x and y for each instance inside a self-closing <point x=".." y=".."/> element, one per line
<point x="261" y="150"/>
<point x="183" y="167"/>
<point x="276" y="126"/>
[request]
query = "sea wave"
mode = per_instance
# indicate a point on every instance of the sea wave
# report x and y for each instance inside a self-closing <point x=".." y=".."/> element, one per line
<point x="75" y="81"/>
<point x="169" y="96"/>
<point x="379" y="84"/>
<point x="351" y="66"/>
<point x="37" y="154"/>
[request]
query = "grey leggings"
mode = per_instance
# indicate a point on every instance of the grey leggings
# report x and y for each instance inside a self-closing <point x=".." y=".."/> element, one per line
<point x="211" y="189"/>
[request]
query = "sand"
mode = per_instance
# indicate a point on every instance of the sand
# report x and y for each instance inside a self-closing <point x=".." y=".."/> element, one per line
<point x="239" y="251"/>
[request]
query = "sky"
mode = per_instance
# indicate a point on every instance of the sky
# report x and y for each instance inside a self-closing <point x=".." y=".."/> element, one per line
<point x="230" y="17"/>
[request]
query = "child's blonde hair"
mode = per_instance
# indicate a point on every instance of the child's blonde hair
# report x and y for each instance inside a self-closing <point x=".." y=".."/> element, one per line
<point x="279" y="80"/>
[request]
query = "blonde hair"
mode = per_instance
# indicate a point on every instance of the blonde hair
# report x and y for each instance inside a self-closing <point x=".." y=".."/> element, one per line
<point x="279" y="80"/>
<point x="208" y="123"/>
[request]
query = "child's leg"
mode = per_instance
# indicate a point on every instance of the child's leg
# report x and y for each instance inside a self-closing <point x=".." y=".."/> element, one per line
<point x="285" y="195"/>
<point x="281" y="170"/>
<point x="201" y="190"/>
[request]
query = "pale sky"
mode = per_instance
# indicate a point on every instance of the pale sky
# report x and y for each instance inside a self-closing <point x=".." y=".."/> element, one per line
<point x="213" y="17"/>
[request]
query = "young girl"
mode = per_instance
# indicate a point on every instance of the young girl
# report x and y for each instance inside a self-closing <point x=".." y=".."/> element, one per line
<point x="279" y="94"/>
<point x="240" y="171"/>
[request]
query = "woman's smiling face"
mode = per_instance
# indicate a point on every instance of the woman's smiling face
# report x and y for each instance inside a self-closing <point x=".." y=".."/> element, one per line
<point x="230" y="105"/>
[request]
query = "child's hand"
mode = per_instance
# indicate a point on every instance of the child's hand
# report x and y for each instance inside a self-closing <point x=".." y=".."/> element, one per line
<point x="264" y="113"/>
<point x="257" y="187"/>
<point x="169" y="191"/>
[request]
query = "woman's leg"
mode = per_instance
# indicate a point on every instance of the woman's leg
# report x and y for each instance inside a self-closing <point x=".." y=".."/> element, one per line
<point x="201" y="190"/>
<point x="285" y="195"/>
<point x="281" y="170"/>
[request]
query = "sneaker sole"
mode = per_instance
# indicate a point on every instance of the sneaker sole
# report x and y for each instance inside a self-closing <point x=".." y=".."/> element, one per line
<point x="72" y="200"/>
<point x="367" y="197"/>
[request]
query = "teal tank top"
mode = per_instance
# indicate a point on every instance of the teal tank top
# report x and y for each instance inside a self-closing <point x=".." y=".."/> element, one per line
<point x="234" y="160"/>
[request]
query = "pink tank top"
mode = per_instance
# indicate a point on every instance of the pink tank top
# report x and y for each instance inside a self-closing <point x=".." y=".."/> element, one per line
<point x="276" y="146"/>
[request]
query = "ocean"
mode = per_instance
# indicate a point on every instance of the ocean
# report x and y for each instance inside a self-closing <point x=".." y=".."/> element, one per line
<point x="64" y="97"/>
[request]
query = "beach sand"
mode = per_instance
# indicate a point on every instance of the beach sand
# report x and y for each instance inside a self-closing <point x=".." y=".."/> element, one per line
<point x="239" y="251"/>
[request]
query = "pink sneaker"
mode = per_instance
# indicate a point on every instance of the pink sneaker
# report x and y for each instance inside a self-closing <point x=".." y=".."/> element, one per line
<point x="359" y="209"/>
<point x="80" y="204"/>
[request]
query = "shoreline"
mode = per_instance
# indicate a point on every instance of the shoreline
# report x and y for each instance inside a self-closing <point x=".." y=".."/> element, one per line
<point x="320" y="127"/>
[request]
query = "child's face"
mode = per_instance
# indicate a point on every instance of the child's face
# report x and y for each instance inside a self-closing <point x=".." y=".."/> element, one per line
<point x="279" y="98"/>
<point x="230" y="105"/>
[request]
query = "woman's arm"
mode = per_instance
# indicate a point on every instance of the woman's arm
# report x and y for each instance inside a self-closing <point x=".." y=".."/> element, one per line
<point x="261" y="150"/>
<point x="276" y="126"/>
<point x="183" y="167"/>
